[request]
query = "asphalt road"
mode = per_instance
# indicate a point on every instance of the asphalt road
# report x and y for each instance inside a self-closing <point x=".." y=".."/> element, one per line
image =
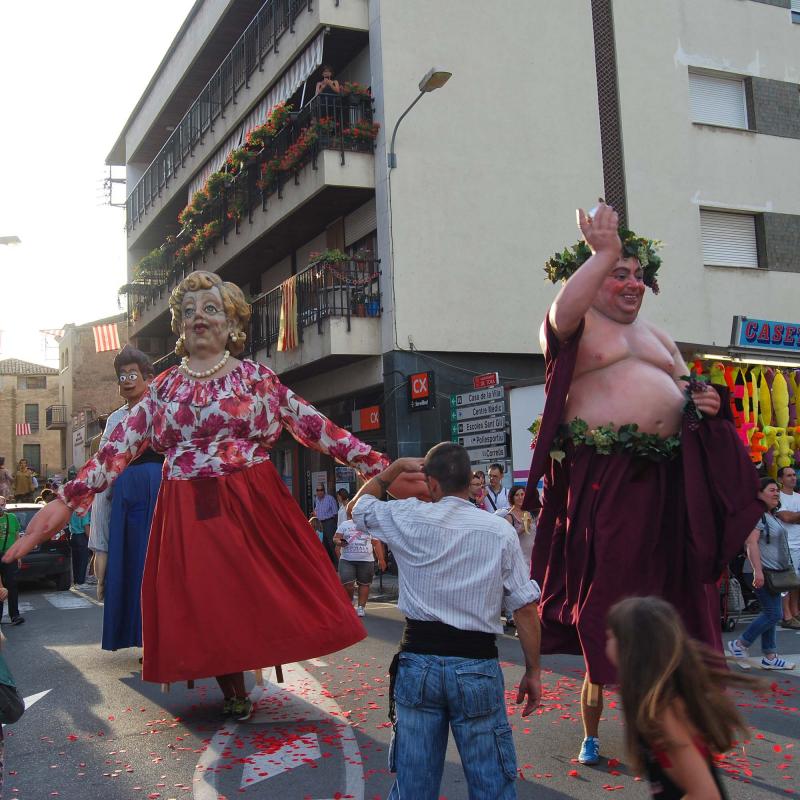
<point x="98" y="731"/>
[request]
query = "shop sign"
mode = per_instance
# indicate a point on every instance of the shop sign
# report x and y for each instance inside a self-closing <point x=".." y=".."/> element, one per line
<point x="367" y="419"/>
<point x="486" y="381"/>
<point x="421" y="391"/>
<point x="766" y="334"/>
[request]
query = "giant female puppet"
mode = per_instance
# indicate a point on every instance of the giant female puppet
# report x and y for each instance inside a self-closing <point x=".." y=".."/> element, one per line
<point x="235" y="579"/>
<point x="647" y="488"/>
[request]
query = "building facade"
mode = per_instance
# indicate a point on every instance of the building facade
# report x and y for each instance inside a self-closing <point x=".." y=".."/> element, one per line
<point x="674" y="112"/>
<point x="29" y="396"/>
<point x="88" y="386"/>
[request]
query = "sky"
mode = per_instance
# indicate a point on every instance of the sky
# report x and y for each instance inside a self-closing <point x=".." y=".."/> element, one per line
<point x="71" y="75"/>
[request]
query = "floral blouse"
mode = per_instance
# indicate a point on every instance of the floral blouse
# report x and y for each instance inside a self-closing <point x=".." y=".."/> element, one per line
<point x="214" y="428"/>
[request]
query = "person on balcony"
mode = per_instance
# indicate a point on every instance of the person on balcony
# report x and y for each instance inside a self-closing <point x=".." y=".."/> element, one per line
<point x="225" y="525"/>
<point x="328" y="86"/>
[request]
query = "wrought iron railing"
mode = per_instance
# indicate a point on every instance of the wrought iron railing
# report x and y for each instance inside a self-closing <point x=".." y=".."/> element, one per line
<point x="165" y="362"/>
<point x="342" y="289"/>
<point x="260" y="37"/>
<point x="333" y="120"/>
<point x="55" y="417"/>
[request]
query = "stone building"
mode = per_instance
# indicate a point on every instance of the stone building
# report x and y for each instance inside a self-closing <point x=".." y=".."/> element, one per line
<point x="88" y="386"/>
<point x="30" y="393"/>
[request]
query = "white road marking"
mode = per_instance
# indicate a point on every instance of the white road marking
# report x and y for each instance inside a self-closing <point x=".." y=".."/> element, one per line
<point x="262" y="766"/>
<point x="34" y="698"/>
<point x="67" y="600"/>
<point x="301" y="698"/>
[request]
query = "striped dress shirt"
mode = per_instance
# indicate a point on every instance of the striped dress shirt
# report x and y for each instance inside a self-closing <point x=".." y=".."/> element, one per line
<point x="101" y="505"/>
<point x="325" y="507"/>
<point x="456" y="563"/>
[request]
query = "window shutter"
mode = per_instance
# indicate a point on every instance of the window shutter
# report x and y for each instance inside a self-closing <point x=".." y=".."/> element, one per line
<point x="717" y="101"/>
<point x="729" y="240"/>
<point x="796" y="6"/>
<point x="361" y="222"/>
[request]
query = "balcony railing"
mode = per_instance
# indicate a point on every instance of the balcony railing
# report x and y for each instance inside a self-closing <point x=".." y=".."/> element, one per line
<point x="165" y="362"/>
<point x="335" y="122"/>
<point x="262" y="34"/>
<point x="56" y="418"/>
<point x="343" y="289"/>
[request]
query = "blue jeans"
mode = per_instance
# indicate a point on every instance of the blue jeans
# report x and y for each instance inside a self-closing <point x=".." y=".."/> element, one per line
<point x="764" y="624"/>
<point x="433" y="693"/>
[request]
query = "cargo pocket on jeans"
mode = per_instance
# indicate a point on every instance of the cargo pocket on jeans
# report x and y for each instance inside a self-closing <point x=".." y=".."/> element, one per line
<point x="504" y="738"/>
<point x="479" y="689"/>
<point x="409" y="688"/>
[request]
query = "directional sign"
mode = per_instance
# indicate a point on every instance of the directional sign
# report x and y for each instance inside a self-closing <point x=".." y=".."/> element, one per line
<point x="482" y="439"/>
<point x="478" y="425"/>
<point x="486" y="380"/>
<point x="481" y="396"/>
<point x="488" y="454"/>
<point x="471" y="412"/>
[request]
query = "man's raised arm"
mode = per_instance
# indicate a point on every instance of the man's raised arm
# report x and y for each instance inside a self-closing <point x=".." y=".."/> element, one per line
<point x="578" y="293"/>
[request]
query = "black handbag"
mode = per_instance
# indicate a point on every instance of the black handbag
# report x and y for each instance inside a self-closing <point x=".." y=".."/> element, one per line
<point x="12" y="706"/>
<point x="778" y="581"/>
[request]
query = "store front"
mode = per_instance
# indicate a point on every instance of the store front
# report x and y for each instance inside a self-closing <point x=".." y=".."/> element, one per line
<point x="761" y="369"/>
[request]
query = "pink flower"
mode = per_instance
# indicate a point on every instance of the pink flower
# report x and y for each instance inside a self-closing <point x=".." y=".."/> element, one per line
<point x="184" y="416"/>
<point x="184" y="462"/>
<point x="310" y="427"/>
<point x="209" y="427"/>
<point x="235" y="406"/>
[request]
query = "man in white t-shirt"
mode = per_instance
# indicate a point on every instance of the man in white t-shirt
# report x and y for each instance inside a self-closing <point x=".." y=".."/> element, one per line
<point x="496" y="494"/>
<point x="789" y="515"/>
<point x="357" y="552"/>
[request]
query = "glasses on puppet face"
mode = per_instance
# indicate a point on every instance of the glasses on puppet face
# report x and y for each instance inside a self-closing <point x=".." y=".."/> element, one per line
<point x="129" y="377"/>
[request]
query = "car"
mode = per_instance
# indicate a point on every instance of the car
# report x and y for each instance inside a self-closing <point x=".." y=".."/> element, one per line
<point x="49" y="561"/>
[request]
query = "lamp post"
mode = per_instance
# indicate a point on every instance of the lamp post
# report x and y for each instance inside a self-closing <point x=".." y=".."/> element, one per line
<point x="433" y="79"/>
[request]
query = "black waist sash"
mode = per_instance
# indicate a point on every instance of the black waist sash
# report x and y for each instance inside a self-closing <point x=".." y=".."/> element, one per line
<point x="439" y="639"/>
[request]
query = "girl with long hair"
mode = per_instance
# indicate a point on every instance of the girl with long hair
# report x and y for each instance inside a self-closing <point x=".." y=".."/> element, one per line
<point x="677" y="713"/>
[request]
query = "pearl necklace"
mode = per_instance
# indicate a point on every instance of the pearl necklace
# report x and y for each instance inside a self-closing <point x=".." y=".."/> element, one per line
<point x="206" y="372"/>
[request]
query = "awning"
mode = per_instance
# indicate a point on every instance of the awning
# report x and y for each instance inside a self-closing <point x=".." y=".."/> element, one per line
<point x="289" y="82"/>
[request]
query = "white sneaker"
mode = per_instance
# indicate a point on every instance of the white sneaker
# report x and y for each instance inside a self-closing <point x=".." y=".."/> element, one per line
<point x="776" y="663"/>
<point x="360" y="611"/>
<point x="739" y="653"/>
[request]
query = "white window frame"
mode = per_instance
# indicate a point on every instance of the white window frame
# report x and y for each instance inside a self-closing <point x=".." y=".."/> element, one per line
<point x="719" y="100"/>
<point x="728" y="238"/>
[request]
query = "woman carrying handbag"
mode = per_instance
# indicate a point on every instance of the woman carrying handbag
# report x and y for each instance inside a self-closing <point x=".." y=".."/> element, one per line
<point x="768" y="551"/>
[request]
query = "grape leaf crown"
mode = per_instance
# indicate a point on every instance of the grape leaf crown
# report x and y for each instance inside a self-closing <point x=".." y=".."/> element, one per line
<point x="562" y="265"/>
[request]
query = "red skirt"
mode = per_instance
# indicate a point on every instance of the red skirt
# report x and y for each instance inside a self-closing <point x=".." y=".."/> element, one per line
<point x="235" y="579"/>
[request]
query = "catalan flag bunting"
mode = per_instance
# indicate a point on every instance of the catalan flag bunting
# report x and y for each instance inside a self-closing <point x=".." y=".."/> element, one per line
<point x="287" y="332"/>
<point x="23" y="429"/>
<point x="106" y="337"/>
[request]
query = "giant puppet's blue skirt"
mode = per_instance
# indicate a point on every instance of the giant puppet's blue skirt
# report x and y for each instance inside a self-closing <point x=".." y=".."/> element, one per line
<point x="132" y="506"/>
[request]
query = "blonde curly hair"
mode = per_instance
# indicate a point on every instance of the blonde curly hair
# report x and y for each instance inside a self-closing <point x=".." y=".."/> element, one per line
<point x="236" y="307"/>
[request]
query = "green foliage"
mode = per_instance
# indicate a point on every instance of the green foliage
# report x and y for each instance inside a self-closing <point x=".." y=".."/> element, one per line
<point x="562" y="265"/>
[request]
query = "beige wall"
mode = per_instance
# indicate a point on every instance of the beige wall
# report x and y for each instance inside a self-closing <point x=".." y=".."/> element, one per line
<point x="490" y="167"/>
<point x="674" y="167"/>
<point x="12" y="410"/>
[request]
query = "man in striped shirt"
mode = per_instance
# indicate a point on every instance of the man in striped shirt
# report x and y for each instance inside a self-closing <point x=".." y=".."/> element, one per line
<point x="457" y="567"/>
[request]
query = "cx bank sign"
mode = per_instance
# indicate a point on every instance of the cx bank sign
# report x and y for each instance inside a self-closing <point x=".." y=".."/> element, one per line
<point x="421" y="391"/>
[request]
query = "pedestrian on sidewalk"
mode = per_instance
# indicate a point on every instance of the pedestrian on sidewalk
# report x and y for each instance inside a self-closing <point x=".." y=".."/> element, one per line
<point x="767" y="549"/>
<point x="79" y="529"/>
<point x="496" y="494"/>
<point x="678" y="715"/>
<point x="326" y="511"/>
<point x="9" y="532"/>
<point x="789" y="515"/>
<point x="342" y="498"/>
<point x="357" y="552"/>
<point x="457" y="565"/>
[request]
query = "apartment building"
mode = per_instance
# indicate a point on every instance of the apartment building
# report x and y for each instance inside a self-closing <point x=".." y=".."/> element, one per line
<point x="683" y="113"/>
<point x="28" y="413"/>
<point x="88" y="386"/>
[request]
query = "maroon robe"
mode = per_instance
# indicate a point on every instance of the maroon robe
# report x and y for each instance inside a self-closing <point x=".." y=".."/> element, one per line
<point x="613" y="526"/>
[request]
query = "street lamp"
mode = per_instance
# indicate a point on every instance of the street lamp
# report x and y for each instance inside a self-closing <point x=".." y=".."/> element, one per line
<point x="434" y="78"/>
<point x="10" y="240"/>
